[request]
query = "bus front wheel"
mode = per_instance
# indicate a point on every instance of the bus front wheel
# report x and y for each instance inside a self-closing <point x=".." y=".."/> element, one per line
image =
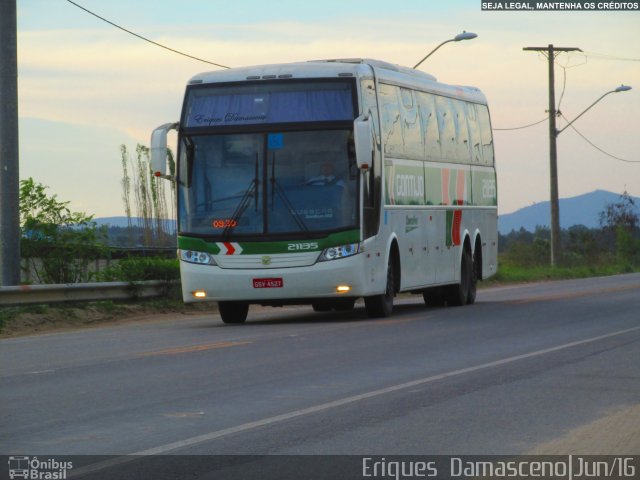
<point x="378" y="306"/>
<point x="233" y="312"/>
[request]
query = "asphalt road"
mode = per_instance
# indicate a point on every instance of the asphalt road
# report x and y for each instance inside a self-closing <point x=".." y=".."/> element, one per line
<point x="523" y="367"/>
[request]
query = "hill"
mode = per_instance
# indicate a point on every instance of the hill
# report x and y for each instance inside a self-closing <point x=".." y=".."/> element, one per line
<point x="580" y="210"/>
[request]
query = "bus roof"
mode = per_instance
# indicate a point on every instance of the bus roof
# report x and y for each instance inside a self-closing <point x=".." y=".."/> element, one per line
<point x="346" y="67"/>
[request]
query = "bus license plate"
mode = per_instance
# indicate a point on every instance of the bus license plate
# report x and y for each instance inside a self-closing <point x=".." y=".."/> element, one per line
<point x="267" y="283"/>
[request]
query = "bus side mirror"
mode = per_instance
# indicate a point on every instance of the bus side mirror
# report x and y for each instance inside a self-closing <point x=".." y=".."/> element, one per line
<point x="159" y="149"/>
<point x="363" y="140"/>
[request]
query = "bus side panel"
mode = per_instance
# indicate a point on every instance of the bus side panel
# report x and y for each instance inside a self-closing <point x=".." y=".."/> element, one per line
<point x="424" y="235"/>
<point x="431" y="223"/>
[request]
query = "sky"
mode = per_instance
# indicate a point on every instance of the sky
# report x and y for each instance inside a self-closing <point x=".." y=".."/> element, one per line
<point x="86" y="87"/>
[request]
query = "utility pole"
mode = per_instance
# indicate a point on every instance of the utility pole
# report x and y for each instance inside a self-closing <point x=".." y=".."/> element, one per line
<point x="9" y="177"/>
<point x="550" y="52"/>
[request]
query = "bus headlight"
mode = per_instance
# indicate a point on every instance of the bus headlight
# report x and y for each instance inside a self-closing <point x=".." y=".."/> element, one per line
<point x="333" y="253"/>
<point x="201" y="258"/>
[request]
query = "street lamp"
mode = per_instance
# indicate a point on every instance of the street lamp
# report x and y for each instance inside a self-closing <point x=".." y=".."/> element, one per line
<point x="621" y="88"/>
<point x="461" y="36"/>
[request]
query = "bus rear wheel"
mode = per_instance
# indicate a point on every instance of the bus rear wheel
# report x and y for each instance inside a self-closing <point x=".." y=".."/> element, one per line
<point x="378" y="306"/>
<point x="233" y="312"/>
<point x="458" y="294"/>
<point x="473" y="284"/>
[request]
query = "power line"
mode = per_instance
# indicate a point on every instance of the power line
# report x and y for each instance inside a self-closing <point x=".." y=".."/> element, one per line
<point x="598" y="148"/>
<point x="570" y="55"/>
<point x="144" y="38"/>
<point x="604" y="56"/>
<point x="524" y="126"/>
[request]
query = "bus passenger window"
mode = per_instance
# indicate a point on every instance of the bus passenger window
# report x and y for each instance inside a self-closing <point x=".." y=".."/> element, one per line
<point x="429" y="122"/>
<point x="446" y="128"/>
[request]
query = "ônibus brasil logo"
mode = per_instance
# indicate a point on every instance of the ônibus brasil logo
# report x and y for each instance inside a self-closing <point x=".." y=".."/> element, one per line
<point x="36" y="469"/>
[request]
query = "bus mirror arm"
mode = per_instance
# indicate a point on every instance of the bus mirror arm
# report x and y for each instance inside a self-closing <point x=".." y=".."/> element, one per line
<point x="159" y="149"/>
<point x="363" y="140"/>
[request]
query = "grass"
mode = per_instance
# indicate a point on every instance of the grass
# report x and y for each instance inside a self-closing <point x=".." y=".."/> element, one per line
<point x="513" y="273"/>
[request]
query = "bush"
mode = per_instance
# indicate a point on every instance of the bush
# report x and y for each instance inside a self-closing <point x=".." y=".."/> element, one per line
<point x="137" y="269"/>
<point x="627" y="247"/>
<point x="528" y="255"/>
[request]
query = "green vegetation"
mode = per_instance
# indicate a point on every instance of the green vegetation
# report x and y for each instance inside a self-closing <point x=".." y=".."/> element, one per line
<point x="612" y="249"/>
<point x="57" y="243"/>
<point x="514" y="273"/>
<point x="136" y="269"/>
<point x="59" y="246"/>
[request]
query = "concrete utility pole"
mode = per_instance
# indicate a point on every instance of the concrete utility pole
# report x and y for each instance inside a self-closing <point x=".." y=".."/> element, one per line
<point x="9" y="177"/>
<point x="553" y="152"/>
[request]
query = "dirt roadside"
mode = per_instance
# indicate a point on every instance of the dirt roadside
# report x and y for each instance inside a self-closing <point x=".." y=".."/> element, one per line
<point x="617" y="433"/>
<point x="49" y="319"/>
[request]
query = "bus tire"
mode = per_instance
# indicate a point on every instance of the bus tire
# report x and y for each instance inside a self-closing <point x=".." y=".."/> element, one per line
<point x="379" y="306"/>
<point x="233" y="312"/>
<point x="473" y="283"/>
<point x="458" y="294"/>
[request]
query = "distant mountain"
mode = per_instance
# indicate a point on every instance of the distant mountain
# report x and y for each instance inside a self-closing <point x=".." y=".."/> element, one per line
<point x="580" y="210"/>
<point x="123" y="222"/>
<point x="112" y="221"/>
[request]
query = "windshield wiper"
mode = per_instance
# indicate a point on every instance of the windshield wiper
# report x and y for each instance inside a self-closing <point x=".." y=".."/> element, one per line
<point x="251" y="191"/>
<point x="276" y="188"/>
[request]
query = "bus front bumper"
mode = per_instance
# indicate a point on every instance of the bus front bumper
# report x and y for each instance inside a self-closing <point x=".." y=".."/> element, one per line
<point x="322" y="280"/>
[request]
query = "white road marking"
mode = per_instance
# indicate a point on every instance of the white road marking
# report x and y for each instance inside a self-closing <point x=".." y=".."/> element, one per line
<point x="163" y="449"/>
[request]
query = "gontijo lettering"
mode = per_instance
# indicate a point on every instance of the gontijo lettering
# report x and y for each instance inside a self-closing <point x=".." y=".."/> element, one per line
<point x="409" y="186"/>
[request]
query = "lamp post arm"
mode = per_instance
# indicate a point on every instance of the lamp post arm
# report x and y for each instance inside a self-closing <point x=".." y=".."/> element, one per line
<point x="558" y="132"/>
<point x="432" y="51"/>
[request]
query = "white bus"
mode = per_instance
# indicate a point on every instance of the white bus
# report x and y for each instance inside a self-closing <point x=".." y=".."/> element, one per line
<point x="322" y="182"/>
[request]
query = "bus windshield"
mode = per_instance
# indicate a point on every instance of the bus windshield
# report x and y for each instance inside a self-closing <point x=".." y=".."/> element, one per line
<point x="257" y="184"/>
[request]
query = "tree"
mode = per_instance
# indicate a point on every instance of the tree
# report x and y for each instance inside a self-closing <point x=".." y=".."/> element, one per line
<point x="57" y="242"/>
<point x="153" y="212"/>
<point x="126" y="190"/>
<point x="623" y="213"/>
<point x="621" y="219"/>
